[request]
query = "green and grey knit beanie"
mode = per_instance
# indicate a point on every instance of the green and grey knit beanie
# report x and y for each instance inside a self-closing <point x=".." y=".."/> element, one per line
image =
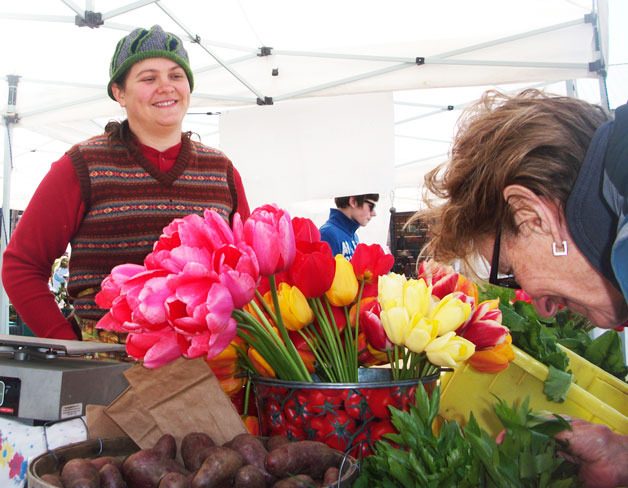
<point x="143" y="44"/>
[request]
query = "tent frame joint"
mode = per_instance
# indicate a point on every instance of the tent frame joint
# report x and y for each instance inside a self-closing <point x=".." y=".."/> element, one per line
<point x="265" y="101"/>
<point x="90" y="19"/>
<point x="11" y="118"/>
<point x="265" y="51"/>
<point x="420" y="60"/>
<point x="590" y="18"/>
<point x="598" y="67"/>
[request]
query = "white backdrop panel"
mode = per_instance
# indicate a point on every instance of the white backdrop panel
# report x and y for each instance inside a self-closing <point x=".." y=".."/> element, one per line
<point x="301" y="154"/>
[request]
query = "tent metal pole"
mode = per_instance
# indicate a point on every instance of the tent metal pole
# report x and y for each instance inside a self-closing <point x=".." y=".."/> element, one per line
<point x="6" y="224"/>
<point x="343" y="81"/>
<point x="515" y="37"/>
<point x="9" y="119"/>
<point x="195" y="38"/>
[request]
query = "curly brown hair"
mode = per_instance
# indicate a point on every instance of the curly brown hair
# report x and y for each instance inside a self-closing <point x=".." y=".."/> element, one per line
<point x="532" y="139"/>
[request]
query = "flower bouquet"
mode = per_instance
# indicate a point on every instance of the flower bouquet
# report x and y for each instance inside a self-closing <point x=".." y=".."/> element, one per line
<point x="269" y="292"/>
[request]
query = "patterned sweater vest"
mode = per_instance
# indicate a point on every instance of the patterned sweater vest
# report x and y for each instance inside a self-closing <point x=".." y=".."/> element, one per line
<point x="128" y="202"/>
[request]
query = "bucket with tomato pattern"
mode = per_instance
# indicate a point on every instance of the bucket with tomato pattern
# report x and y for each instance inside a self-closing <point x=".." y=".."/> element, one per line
<point x="349" y="417"/>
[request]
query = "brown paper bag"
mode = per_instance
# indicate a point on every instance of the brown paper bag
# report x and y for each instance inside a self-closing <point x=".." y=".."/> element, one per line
<point x="99" y="425"/>
<point x="178" y="398"/>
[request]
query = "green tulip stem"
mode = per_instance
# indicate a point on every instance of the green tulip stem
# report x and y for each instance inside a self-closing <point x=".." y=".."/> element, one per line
<point x="333" y="327"/>
<point x="265" y="344"/>
<point x="321" y="354"/>
<point x="267" y="308"/>
<point x="330" y="337"/>
<point x="354" y="345"/>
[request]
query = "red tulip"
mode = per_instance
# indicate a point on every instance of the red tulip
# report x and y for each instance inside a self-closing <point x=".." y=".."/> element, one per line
<point x="305" y="230"/>
<point x="313" y="268"/>
<point x="369" y="262"/>
<point x="522" y="296"/>
<point x="371" y="324"/>
<point x="269" y="232"/>
<point x="442" y="278"/>
<point x="368" y="355"/>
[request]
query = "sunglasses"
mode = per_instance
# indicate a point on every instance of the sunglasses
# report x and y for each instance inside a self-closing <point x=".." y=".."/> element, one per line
<point x="371" y="204"/>
<point x="507" y="281"/>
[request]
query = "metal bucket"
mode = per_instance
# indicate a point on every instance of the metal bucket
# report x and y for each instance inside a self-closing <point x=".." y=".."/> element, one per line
<point x="349" y="417"/>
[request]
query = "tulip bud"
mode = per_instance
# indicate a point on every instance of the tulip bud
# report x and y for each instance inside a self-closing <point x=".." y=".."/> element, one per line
<point x="450" y="313"/>
<point x="449" y="350"/>
<point x="344" y="288"/>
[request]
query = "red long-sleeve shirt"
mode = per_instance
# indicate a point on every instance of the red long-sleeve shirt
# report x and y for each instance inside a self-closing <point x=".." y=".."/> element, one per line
<point x="52" y="217"/>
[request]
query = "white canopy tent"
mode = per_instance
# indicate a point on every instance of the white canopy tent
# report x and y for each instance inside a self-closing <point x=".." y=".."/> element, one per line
<point x="246" y="53"/>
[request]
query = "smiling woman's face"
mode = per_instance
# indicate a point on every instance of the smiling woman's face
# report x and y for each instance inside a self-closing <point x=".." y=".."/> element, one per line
<point x="156" y="95"/>
<point x="556" y="281"/>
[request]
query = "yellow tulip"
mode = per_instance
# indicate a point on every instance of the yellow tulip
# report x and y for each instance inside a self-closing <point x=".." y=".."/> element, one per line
<point x="295" y="311"/>
<point x="450" y="313"/>
<point x="417" y="297"/>
<point x="449" y="350"/>
<point x="396" y="323"/>
<point x="390" y="290"/>
<point x="422" y="331"/>
<point x="344" y="288"/>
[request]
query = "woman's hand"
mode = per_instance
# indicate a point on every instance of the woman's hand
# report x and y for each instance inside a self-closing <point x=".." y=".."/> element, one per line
<point x="601" y="454"/>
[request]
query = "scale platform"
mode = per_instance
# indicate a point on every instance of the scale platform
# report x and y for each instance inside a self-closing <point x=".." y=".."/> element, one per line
<point x="51" y="379"/>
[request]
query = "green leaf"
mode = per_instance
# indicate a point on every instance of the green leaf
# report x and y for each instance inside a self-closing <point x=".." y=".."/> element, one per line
<point x="606" y="352"/>
<point x="557" y="384"/>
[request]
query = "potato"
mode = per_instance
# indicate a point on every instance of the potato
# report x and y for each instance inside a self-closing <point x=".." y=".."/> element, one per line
<point x="253" y="451"/>
<point x="250" y="476"/>
<point x="298" y="481"/>
<point x="175" y="480"/>
<point x="111" y="477"/>
<point x="276" y="441"/>
<point x="80" y="473"/>
<point x="52" y="479"/>
<point x="331" y="476"/>
<point x="145" y="468"/>
<point x="301" y="457"/>
<point x="99" y="462"/>
<point x="167" y="446"/>
<point x="219" y="467"/>
<point x="193" y="449"/>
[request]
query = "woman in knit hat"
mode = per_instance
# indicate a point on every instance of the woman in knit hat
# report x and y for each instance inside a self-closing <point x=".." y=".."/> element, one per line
<point x="120" y="189"/>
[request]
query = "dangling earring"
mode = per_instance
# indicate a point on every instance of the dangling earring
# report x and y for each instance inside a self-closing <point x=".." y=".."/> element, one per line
<point x="559" y="252"/>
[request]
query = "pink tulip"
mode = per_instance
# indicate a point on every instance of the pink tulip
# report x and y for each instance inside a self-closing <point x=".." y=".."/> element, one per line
<point x="110" y="287"/>
<point x="269" y="232"/>
<point x="155" y="348"/>
<point x="238" y="270"/>
<point x="151" y="300"/>
<point x="169" y="238"/>
<point x="219" y="231"/>
<point x="484" y="327"/>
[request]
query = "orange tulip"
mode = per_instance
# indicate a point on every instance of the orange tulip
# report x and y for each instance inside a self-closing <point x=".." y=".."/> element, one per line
<point x="231" y="385"/>
<point x="260" y="364"/>
<point x="251" y="423"/>
<point x="354" y="308"/>
<point x="494" y="359"/>
<point x="226" y="363"/>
